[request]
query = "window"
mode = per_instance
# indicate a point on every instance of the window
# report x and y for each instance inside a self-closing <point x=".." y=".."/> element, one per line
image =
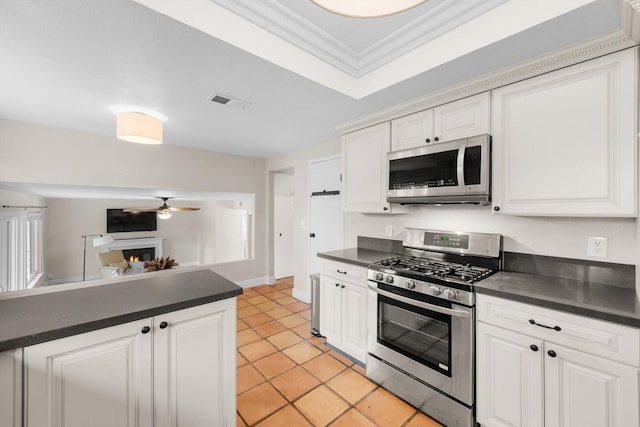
<point x="20" y="250"/>
<point x="33" y="253"/>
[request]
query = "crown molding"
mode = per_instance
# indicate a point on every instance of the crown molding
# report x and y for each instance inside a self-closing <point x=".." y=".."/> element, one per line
<point x="580" y="52"/>
<point x="276" y="18"/>
<point x="630" y="18"/>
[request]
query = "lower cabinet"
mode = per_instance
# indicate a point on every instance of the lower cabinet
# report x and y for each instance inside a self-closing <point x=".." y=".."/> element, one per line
<point x="11" y="388"/>
<point x="526" y="381"/>
<point x="343" y="309"/>
<point x="175" y="369"/>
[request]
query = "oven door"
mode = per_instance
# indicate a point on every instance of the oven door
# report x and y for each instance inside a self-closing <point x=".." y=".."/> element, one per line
<point x="431" y="342"/>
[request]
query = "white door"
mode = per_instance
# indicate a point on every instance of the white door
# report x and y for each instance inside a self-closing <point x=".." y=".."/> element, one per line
<point x="588" y="391"/>
<point x="100" y="379"/>
<point x="283" y="215"/>
<point x="325" y="211"/>
<point x="194" y="366"/>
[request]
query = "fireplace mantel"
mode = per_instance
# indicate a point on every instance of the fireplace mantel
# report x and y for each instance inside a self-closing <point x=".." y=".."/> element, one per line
<point x="143" y="242"/>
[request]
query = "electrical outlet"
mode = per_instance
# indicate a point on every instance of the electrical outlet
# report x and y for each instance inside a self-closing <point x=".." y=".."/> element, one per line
<point x="597" y="246"/>
<point x="388" y="231"/>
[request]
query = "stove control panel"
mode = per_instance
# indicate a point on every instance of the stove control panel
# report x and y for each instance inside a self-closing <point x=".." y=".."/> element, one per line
<point x="449" y="240"/>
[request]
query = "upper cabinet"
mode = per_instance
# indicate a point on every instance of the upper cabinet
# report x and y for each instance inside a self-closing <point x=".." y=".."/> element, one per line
<point x="364" y="169"/>
<point x="459" y="119"/>
<point x="564" y="143"/>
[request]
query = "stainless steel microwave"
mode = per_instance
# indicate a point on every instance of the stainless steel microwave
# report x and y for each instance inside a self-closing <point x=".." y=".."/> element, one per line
<point x="449" y="172"/>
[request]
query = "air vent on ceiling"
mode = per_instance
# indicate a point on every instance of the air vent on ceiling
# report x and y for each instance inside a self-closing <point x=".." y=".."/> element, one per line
<point x="228" y="101"/>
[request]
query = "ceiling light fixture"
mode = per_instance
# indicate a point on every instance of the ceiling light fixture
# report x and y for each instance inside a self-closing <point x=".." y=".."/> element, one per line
<point x="139" y="125"/>
<point x="164" y="214"/>
<point x="367" y="8"/>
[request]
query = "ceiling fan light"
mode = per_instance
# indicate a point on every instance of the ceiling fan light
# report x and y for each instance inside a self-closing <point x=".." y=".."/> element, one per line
<point x="138" y="127"/>
<point x="164" y="214"/>
<point x="367" y="8"/>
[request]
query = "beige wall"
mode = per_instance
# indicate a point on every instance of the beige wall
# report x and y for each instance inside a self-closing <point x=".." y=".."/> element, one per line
<point x="41" y="154"/>
<point x="299" y="161"/>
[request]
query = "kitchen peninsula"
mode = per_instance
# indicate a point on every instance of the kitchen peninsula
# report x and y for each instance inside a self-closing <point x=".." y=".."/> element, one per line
<point x="126" y="352"/>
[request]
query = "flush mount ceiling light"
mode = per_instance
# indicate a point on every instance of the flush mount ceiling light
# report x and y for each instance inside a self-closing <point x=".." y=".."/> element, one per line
<point x="367" y="8"/>
<point x="138" y="125"/>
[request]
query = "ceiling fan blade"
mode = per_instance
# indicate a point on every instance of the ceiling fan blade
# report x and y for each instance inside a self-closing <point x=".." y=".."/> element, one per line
<point x="140" y="210"/>
<point x="184" y="209"/>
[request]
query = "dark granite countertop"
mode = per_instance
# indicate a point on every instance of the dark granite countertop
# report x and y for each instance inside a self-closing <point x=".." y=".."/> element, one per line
<point x="32" y="319"/>
<point x="358" y="256"/>
<point x="600" y="301"/>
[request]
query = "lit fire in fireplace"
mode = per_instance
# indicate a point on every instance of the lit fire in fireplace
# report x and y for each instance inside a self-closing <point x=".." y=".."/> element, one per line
<point x="134" y="258"/>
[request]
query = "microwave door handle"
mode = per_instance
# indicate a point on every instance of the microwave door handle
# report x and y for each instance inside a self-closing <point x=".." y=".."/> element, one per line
<point x="461" y="154"/>
<point x="415" y="303"/>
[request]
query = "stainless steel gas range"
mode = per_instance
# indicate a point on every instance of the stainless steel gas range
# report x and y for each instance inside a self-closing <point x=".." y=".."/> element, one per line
<point x="421" y="334"/>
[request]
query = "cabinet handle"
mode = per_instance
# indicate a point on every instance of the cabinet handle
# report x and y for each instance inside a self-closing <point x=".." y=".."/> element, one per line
<point x="146" y="330"/>
<point x="163" y="325"/>
<point x="555" y="328"/>
<point x="385" y="208"/>
<point x="436" y="139"/>
<point x="427" y="140"/>
<point x="337" y="284"/>
<point x="533" y="347"/>
<point x="551" y="353"/>
<point x="496" y="208"/>
<point x="341" y="272"/>
<point x="342" y="286"/>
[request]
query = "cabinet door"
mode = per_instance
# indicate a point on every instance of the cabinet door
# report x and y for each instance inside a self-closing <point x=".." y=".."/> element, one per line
<point x="564" y="143"/>
<point x="11" y="388"/>
<point x="412" y="131"/>
<point x="354" y="321"/>
<point x="462" y="119"/>
<point x="101" y="378"/>
<point x="365" y="180"/>
<point x="509" y="388"/>
<point x="582" y="390"/>
<point x="194" y="366"/>
<point x="330" y="314"/>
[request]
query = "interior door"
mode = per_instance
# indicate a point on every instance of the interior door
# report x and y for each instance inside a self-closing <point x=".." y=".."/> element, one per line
<point x="325" y="209"/>
<point x="283" y="260"/>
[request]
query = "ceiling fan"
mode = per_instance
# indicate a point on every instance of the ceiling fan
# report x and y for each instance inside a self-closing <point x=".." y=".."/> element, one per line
<point x="164" y="211"/>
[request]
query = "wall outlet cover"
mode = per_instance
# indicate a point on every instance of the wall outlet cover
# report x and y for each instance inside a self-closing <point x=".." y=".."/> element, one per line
<point x="597" y="246"/>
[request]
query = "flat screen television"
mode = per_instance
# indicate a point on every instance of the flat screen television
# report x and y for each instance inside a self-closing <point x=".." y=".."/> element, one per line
<point x="119" y="221"/>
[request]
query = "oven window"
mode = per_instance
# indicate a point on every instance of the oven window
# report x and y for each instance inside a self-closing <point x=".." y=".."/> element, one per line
<point x="429" y="170"/>
<point x="420" y="334"/>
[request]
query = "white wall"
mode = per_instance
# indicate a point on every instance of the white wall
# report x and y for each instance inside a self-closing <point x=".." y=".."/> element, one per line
<point x="299" y="161"/>
<point x="33" y="153"/>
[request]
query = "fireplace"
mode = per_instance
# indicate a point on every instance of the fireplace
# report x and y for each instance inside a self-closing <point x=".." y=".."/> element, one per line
<point x="139" y="254"/>
<point x="147" y="248"/>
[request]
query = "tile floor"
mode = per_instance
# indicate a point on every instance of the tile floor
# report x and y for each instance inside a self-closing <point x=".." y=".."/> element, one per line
<point x="287" y="376"/>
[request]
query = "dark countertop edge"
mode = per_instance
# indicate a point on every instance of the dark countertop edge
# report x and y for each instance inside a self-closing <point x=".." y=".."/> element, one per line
<point x="350" y="256"/>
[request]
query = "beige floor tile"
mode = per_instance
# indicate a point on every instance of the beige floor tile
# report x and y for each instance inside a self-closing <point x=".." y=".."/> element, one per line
<point x="259" y="402"/>
<point x="242" y="304"/>
<point x="285" y="300"/>
<point x="287" y="291"/>
<point x="247" y="311"/>
<point x="323" y="347"/>
<point x="246" y="337"/>
<point x="294" y="383"/>
<point x="263" y="289"/>
<point x="240" y="360"/>
<point x="287" y="416"/>
<point x="257" y="300"/>
<point x="297" y="306"/>
<point x="302" y="352"/>
<point x="266" y="306"/>
<point x="321" y="405"/>
<point x="359" y="369"/>
<point x="283" y="285"/>
<point x="247" y="378"/>
<point x="279" y="313"/>
<point x="274" y="364"/>
<point x="306" y="314"/>
<point x="257" y="319"/>
<point x="304" y="330"/>
<point x="284" y="339"/>
<point x="353" y="418"/>
<point x="385" y="409"/>
<point x="291" y="321"/>
<point x="240" y="325"/>
<point x="324" y="367"/>
<point x="351" y="386"/>
<point x="271" y="328"/>
<point x="248" y="293"/>
<point x="421" y="420"/>
<point x="341" y="357"/>
<point x="257" y="350"/>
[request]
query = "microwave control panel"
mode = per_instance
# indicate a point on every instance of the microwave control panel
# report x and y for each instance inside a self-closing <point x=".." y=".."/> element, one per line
<point x="458" y="241"/>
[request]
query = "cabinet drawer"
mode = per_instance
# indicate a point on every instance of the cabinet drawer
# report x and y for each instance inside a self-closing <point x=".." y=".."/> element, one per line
<point x="344" y="270"/>
<point x="610" y="340"/>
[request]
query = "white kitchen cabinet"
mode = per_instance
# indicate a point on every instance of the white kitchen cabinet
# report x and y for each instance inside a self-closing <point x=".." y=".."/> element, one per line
<point x="343" y="308"/>
<point x="564" y="143"/>
<point x="11" y="388"/>
<point x="459" y="119"/>
<point x="180" y="365"/>
<point x="543" y="377"/>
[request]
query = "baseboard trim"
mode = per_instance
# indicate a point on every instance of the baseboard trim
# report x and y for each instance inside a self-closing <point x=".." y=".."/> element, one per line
<point x="301" y="295"/>
<point x="250" y="283"/>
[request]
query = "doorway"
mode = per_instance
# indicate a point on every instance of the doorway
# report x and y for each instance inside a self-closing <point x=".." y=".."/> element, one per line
<point x="283" y="223"/>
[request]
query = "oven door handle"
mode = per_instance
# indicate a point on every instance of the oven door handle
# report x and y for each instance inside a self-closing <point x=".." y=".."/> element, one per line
<point x="421" y="304"/>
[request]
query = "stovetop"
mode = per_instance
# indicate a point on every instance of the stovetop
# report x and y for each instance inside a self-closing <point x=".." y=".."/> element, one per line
<point x="426" y="268"/>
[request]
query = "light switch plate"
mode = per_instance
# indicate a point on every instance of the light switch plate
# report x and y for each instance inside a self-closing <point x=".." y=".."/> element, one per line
<point x="388" y="231"/>
<point x="597" y="246"/>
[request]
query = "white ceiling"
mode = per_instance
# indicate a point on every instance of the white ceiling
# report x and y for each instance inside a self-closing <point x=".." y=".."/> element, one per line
<point x="64" y="62"/>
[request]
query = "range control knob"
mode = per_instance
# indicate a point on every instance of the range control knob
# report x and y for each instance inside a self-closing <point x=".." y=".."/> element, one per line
<point x="435" y="290"/>
<point x="411" y="284"/>
<point x="450" y="294"/>
<point x="379" y="277"/>
<point x="389" y="279"/>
